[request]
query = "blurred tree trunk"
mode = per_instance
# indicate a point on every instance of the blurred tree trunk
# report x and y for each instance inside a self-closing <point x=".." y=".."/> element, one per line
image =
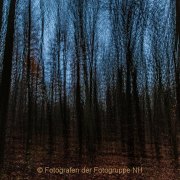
<point x="129" y="67"/>
<point x="6" y="77"/>
<point x="177" y="58"/>
<point x="78" y="104"/>
<point x="44" y="88"/>
<point x="29" y="85"/>
<point x="139" y="120"/>
<point x="64" y="108"/>
<point x="1" y="13"/>
<point x="97" y="117"/>
<point x="129" y="109"/>
<point x="174" y="128"/>
<point x="121" y="106"/>
<point x="178" y="17"/>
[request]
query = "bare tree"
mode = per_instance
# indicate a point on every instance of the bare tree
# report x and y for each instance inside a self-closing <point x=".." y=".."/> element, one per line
<point x="6" y="77"/>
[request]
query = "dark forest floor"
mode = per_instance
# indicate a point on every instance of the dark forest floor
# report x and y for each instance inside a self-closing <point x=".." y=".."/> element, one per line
<point x="21" y="167"/>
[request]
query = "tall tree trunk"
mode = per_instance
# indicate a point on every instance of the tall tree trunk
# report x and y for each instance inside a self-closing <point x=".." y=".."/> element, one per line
<point x="177" y="58"/>
<point x="6" y="77"/>
<point x="79" y="108"/>
<point x="178" y="17"/>
<point x="29" y="87"/>
<point x="1" y="14"/>
<point x="173" y="131"/>
<point x="121" y="107"/>
<point x="44" y="93"/>
<point x="64" y="115"/>
<point x="130" y="120"/>
<point x="139" y="120"/>
<point x="78" y="104"/>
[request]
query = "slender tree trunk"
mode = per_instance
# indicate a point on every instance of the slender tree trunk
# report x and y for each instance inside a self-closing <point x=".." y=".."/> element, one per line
<point x="42" y="118"/>
<point x="50" y="127"/>
<point x="97" y="117"/>
<point x="121" y="107"/>
<point x="177" y="58"/>
<point x="6" y="77"/>
<point x="178" y="17"/>
<point x="1" y="13"/>
<point x="64" y="117"/>
<point x="173" y="131"/>
<point x="29" y="86"/>
<point x="130" y="120"/>
<point x="78" y="105"/>
<point x="139" y="120"/>
<point x="79" y="108"/>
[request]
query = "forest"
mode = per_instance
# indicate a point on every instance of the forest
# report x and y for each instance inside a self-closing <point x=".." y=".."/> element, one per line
<point x="91" y="83"/>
